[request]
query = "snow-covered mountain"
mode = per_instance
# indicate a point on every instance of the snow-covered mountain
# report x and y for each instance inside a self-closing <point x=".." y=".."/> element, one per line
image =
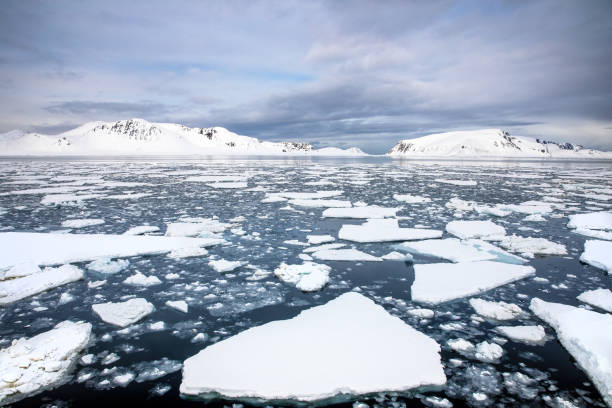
<point x="139" y="137"/>
<point x="492" y="143"/>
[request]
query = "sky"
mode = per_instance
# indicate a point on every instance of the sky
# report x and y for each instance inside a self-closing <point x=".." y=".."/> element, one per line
<point x="333" y="73"/>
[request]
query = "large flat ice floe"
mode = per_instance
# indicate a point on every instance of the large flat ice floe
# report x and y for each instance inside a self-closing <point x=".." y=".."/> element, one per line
<point x="30" y="366"/>
<point x="586" y="335"/>
<point x="13" y="290"/>
<point x="348" y="346"/>
<point x="441" y="282"/>
<point x="601" y="298"/>
<point x="123" y="313"/>
<point x="54" y="249"/>
<point x="485" y="230"/>
<point x="455" y="250"/>
<point x="592" y="221"/>
<point x="372" y="211"/>
<point x="384" y="230"/>
<point x="598" y="254"/>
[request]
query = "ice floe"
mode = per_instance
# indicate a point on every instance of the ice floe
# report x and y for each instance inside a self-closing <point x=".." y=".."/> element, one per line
<point x="457" y="182"/>
<point x="141" y="229"/>
<point x="320" y="203"/>
<point x="195" y="227"/>
<point x="591" y="221"/>
<point x="123" y="313"/>
<point x="180" y="305"/>
<point x="223" y="266"/>
<point x="524" y="334"/>
<point x="30" y="366"/>
<point x="601" y="298"/>
<point x="107" y="266"/>
<point x="441" y="282"/>
<point x="372" y="211"/>
<point x="485" y="230"/>
<point x="598" y="254"/>
<point x="384" y="230"/>
<point x="319" y="239"/>
<point x="496" y="310"/>
<point x="586" y="335"/>
<point x="307" y="277"/>
<point x="140" y="279"/>
<point x="81" y="223"/>
<point x="13" y="290"/>
<point x="411" y="199"/>
<point x="55" y="249"/>
<point x="459" y="251"/>
<point x="350" y="254"/>
<point x="358" y="345"/>
<point x="529" y="246"/>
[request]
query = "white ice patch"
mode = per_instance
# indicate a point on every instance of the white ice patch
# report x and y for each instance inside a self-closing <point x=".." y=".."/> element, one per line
<point x="488" y="352"/>
<point x="187" y="252"/>
<point x="496" y="310"/>
<point x="140" y="279"/>
<point x="323" y="247"/>
<point x="223" y="266"/>
<point x="441" y="282"/>
<point x="601" y="298"/>
<point x="593" y="221"/>
<point x="525" y="334"/>
<point x="598" y="254"/>
<point x="141" y="229"/>
<point x="350" y="254"/>
<point x="54" y="249"/>
<point x="457" y="182"/>
<point x="180" y="305"/>
<point x="123" y="313"/>
<point x="384" y="230"/>
<point x="319" y="239"/>
<point x="485" y="230"/>
<point x="397" y="256"/>
<point x="370" y="212"/>
<point x="83" y="222"/>
<point x="455" y="250"/>
<point x="108" y="267"/>
<point x="323" y="339"/>
<point x="229" y="185"/>
<point x="13" y="290"/>
<point x="320" y="203"/>
<point x="30" y="366"/>
<point x="586" y="335"/>
<point x="594" y="233"/>
<point x="529" y="245"/>
<point x="195" y="227"/>
<point x="308" y="277"/>
<point x="411" y="199"/>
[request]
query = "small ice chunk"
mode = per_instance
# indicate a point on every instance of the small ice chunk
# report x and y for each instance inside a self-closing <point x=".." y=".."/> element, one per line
<point x="350" y="254"/>
<point x="461" y="345"/>
<point x="187" y="252"/>
<point x="384" y="230"/>
<point x="598" y="254"/>
<point x="328" y="338"/>
<point x="308" y="277"/>
<point x="319" y="239"/>
<point x="81" y="223"/>
<point x="496" y="310"/>
<point x="441" y="282"/>
<point x="531" y="245"/>
<point x="318" y="203"/>
<point x="488" y="352"/>
<point x="462" y="183"/>
<point x="485" y="230"/>
<point x="141" y="229"/>
<point x="397" y="256"/>
<point x="524" y="334"/>
<point x="223" y="266"/>
<point x="13" y="290"/>
<point x="180" y="305"/>
<point x="601" y="298"/>
<point x="586" y="335"/>
<point x="108" y="267"/>
<point x="411" y="199"/>
<point x="421" y="313"/>
<point x="194" y="227"/>
<point x="123" y="379"/>
<point x="140" y="279"/>
<point x="370" y="212"/>
<point x="123" y="313"/>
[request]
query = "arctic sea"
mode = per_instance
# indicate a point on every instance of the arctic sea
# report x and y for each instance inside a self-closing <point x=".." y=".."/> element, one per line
<point x="154" y="191"/>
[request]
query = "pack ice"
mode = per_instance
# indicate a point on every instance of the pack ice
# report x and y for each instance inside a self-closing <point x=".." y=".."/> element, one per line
<point x="459" y="251"/>
<point x="485" y="230"/>
<point x="12" y="290"/>
<point x="586" y="335"/>
<point x="123" y="313"/>
<point x="30" y="366"/>
<point x="598" y="254"/>
<point x="384" y="230"/>
<point x="348" y="346"/>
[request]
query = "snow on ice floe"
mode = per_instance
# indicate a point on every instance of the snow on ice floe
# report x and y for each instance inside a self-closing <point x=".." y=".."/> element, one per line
<point x="319" y="239"/>
<point x="228" y="184"/>
<point x="81" y="223"/>
<point x="123" y="313"/>
<point x="141" y="229"/>
<point x="320" y="203"/>
<point x="54" y="249"/>
<point x="180" y="305"/>
<point x="223" y="266"/>
<point x="371" y="212"/>
<point x="359" y="346"/>
<point x="323" y="247"/>
<point x="140" y="279"/>
<point x="397" y="256"/>
<point x="411" y="199"/>
<point x="601" y="298"/>
<point x="308" y="277"/>
<point x="586" y="335"/>
<point x="288" y="195"/>
<point x="442" y="282"/>
<point x="384" y="230"/>
<point x="457" y="182"/>
<point x="456" y="250"/>
<point x="30" y="366"/>
<point x="187" y="252"/>
<point x="106" y="266"/>
<point x="496" y="310"/>
<point x="485" y="230"/>
<point x="598" y="254"/>
<point x="16" y="289"/>
<point x="591" y="221"/>
<point x="528" y="246"/>
<point x="193" y="227"/>
<point x="524" y="334"/>
<point x="349" y="254"/>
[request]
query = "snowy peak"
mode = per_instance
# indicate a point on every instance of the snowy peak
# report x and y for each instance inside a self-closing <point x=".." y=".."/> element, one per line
<point x="489" y="143"/>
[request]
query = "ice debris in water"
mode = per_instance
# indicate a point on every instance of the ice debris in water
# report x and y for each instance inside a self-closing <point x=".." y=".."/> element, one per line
<point x="485" y="230"/>
<point x="350" y="254"/>
<point x="108" y="267"/>
<point x="81" y="223"/>
<point x="524" y="334"/>
<point x="141" y="229"/>
<point x="598" y="254"/>
<point x="456" y="250"/>
<point x="123" y="313"/>
<point x="140" y="279"/>
<point x="496" y="310"/>
<point x="308" y="277"/>
<point x="326" y="340"/>
<point x="384" y="230"/>
<point x="369" y="212"/>
<point x="223" y="266"/>
<point x="30" y="366"/>
<point x="529" y="245"/>
<point x="180" y="305"/>
<point x="16" y="289"/>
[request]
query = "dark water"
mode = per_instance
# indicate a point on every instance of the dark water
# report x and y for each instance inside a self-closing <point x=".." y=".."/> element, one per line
<point x="247" y="303"/>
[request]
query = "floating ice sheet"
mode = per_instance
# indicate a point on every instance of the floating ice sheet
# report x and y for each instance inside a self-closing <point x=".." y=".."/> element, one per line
<point x="601" y="298"/>
<point x="372" y="211"/>
<point x="594" y="221"/>
<point x="459" y="251"/>
<point x="350" y="254"/>
<point x="384" y="230"/>
<point x="123" y="313"/>
<point x="598" y="254"/>
<point x="13" y="290"/>
<point x="485" y="230"/>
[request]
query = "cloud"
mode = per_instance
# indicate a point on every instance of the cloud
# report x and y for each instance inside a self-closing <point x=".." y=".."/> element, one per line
<point x="120" y="109"/>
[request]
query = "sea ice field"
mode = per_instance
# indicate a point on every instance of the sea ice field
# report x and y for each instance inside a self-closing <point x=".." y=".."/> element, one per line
<point x="348" y="282"/>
